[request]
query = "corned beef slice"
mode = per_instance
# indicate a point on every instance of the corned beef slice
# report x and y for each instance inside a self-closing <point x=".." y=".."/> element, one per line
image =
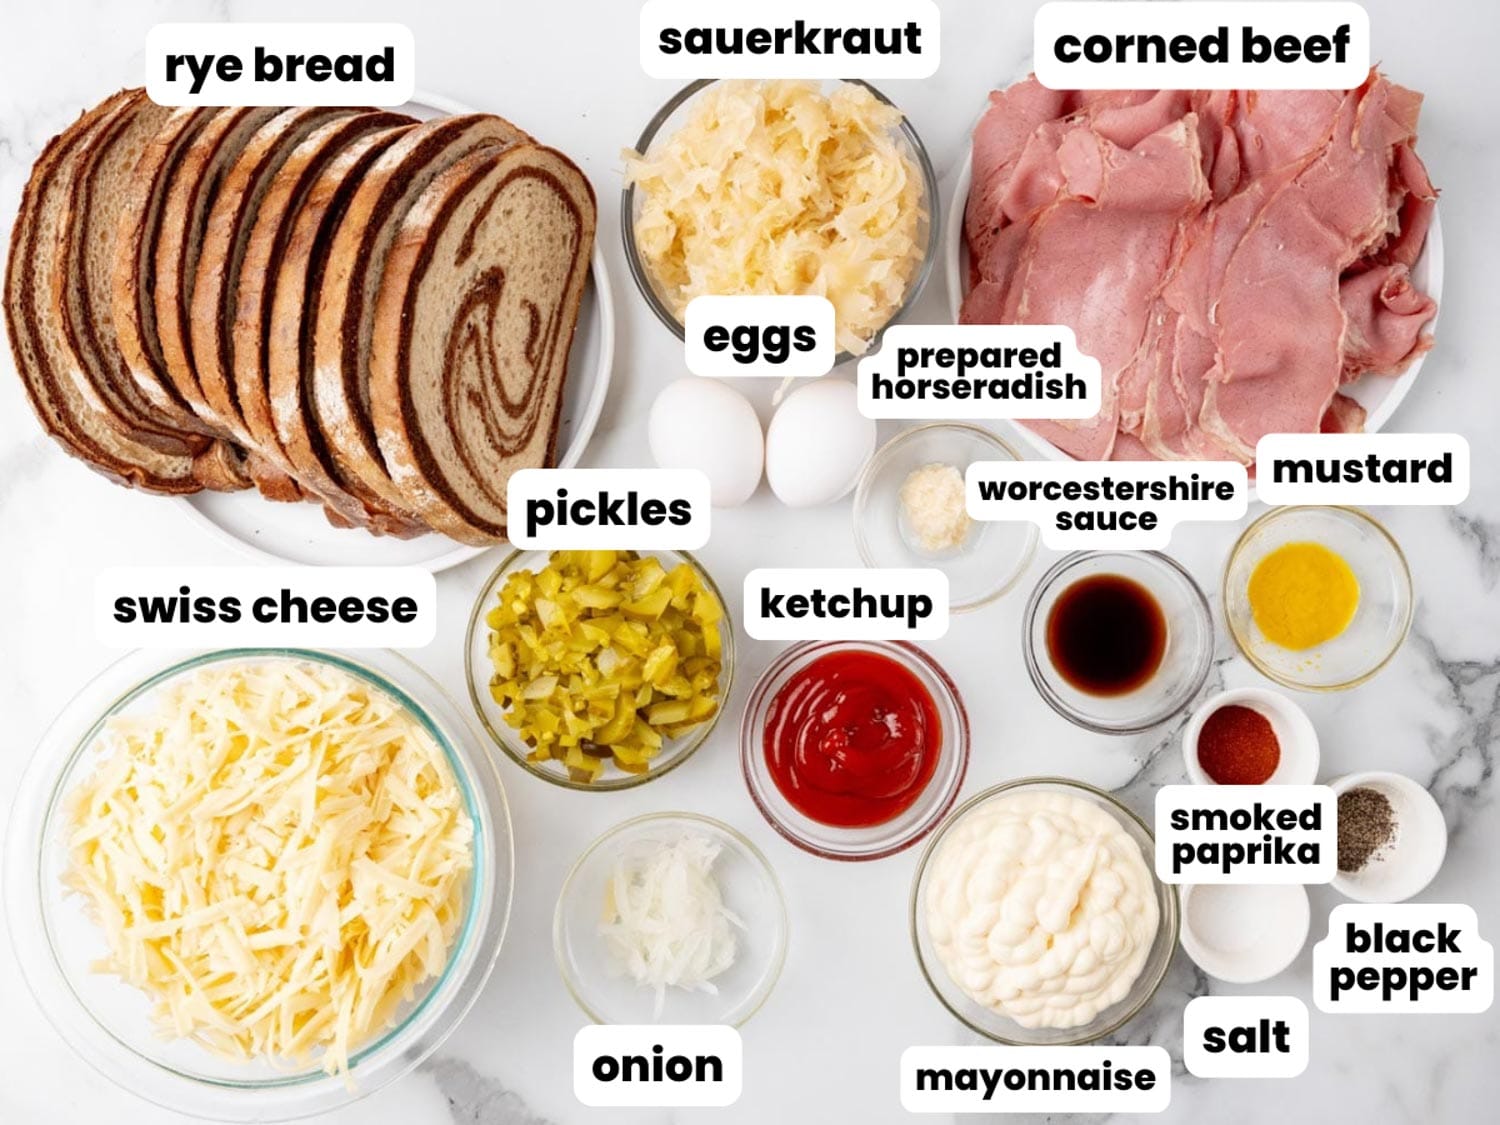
<point x="1230" y="257"/>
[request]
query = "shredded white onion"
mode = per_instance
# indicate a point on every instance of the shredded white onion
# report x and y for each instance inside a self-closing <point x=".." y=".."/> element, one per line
<point x="665" y="923"/>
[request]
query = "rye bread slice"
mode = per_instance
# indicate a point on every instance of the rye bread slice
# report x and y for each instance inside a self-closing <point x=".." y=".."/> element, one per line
<point x="133" y="285"/>
<point x="264" y="251"/>
<point x="50" y="371"/>
<point x="189" y="198"/>
<point x="351" y="279"/>
<point x="82" y="288"/>
<point x="226" y="236"/>
<point x="474" y="319"/>
<point x="289" y="347"/>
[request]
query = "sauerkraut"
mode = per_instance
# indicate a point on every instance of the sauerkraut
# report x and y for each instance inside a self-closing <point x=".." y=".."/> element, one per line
<point x="778" y="188"/>
<point x="277" y="854"/>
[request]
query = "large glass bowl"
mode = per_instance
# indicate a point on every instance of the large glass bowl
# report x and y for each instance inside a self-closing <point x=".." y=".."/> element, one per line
<point x="1380" y="623"/>
<point x="107" y="1022"/>
<point x="1003" y="1029"/>
<point x="479" y="671"/>
<point x="750" y="889"/>
<point x="879" y="840"/>
<point x="671" y="116"/>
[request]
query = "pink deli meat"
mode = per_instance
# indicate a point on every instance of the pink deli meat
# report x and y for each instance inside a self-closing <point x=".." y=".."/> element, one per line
<point x="1231" y="258"/>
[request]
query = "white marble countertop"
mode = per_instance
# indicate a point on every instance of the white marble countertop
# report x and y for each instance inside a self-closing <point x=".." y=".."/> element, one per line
<point x="826" y="1046"/>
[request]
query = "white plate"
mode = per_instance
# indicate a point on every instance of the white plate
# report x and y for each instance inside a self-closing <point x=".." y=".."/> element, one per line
<point x="300" y="533"/>
<point x="1378" y="394"/>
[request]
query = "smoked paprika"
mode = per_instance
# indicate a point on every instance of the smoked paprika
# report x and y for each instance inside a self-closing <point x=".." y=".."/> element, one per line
<point x="1238" y="747"/>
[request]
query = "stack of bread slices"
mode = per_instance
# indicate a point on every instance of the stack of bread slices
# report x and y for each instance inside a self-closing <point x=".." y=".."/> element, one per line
<point x="344" y="306"/>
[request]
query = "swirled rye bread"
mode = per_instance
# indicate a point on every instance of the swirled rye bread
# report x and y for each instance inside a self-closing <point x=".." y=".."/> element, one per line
<point x="346" y="319"/>
<point x="473" y="323"/>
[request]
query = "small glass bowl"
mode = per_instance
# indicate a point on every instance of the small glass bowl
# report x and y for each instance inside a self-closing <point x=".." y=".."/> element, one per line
<point x="1184" y="664"/>
<point x="1002" y="1029"/>
<point x="750" y="890"/>
<point x="990" y="561"/>
<point x="1380" y="623"/>
<point x="673" y="115"/>
<point x="876" y="842"/>
<point x="108" y="1022"/>
<point x="479" y="670"/>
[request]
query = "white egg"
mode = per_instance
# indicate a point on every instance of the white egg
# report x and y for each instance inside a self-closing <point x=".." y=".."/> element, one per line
<point x="817" y="444"/>
<point x="699" y="423"/>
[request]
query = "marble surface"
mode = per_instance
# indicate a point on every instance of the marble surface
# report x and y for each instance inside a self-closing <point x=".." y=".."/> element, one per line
<point x="825" y="1048"/>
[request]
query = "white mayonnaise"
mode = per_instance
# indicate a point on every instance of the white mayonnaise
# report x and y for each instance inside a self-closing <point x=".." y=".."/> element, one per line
<point x="1041" y="907"/>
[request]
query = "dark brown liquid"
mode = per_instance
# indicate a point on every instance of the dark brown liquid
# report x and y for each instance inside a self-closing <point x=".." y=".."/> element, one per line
<point x="1106" y="634"/>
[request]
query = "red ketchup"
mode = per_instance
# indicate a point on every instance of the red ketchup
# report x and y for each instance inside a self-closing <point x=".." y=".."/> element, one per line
<point x="852" y="739"/>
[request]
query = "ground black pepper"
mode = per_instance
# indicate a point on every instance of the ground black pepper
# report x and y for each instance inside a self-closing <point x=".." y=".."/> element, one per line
<point x="1366" y="824"/>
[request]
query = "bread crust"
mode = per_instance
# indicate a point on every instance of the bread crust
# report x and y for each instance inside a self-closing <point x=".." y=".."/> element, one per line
<point x="39" y="350"/>
<point x="264" y="251"/>
<point x="134" y="278"/>
<point x="230" y="222"/>
<point x="80" y="287"/>
<point x="185" y="209"/>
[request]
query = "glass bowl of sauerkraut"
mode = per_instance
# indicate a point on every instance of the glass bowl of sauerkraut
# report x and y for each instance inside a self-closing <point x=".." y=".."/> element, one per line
<point x="784" y="187"/>
<point x="1063" y="876"/>
<point x="258" y="884"/>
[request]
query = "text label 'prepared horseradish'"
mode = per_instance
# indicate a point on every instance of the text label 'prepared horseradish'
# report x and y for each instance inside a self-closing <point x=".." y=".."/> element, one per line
<point x="787" y="39"/>
<point x="1409" y="957"/>
<point x="1246" y="834"/>
<point x="1211" y="46"/>
<point x="979" y="371"/>
<point x="1106" y="505"/>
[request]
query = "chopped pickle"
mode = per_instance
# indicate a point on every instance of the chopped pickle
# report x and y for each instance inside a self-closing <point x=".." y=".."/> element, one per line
<point x="604" y="655"/>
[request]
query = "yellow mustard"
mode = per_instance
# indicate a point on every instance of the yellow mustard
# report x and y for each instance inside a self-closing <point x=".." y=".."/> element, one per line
<point x="1303" y="595"/>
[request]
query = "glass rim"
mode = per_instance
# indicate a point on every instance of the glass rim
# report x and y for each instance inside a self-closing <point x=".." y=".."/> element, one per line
<point x="884" y="454"/>
<point x="693" y="740"/>
<point x="1167" y="892"/>
<point x="1153" y="719"/>
<point x="1403" y="571"/>
<point x="931" y="194"/>
<point x="744" y="843"/>
<point x="916" y="660"/>
<point x="402" y="1047"/>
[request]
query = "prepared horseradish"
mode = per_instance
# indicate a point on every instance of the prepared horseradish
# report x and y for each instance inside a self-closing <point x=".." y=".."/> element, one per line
<point x="779" y="188"/>
<point x="1041" y="907"/>
<point x="933" y="508"/>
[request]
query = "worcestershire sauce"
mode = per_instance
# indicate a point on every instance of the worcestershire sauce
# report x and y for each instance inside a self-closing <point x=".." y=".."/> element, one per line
<point x="1106" y="634"/>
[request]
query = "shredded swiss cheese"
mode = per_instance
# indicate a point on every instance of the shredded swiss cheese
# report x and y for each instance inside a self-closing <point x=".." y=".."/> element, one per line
<point x="277" y="853"/>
